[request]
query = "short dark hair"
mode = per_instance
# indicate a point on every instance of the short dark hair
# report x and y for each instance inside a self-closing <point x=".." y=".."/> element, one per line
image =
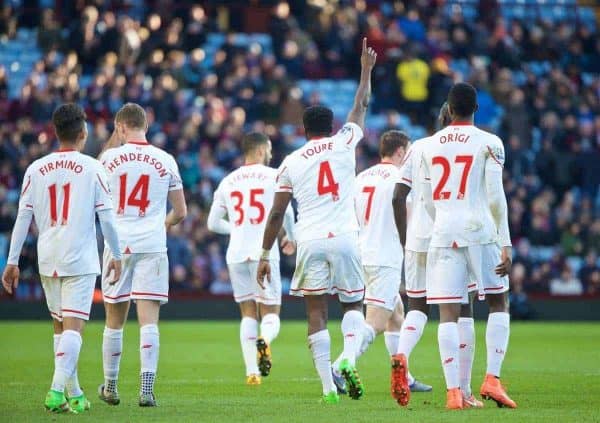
<point x="390" y="141"/>
<point x="69" y="121"/>
<point x="133" y="116"/>
<point x="318" y="120"/>
<point x="252" y="141"/>
<point x="462" y="99"/>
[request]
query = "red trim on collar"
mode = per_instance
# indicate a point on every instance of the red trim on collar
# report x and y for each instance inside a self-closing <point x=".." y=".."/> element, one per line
<point x="461" y="123"/>
<point x="390" y="163"/>
<point x="138" y="142"/>
<point x="65" y="150"/>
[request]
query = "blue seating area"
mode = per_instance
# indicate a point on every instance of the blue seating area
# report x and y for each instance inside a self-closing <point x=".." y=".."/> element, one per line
<point x="19" y="56"/>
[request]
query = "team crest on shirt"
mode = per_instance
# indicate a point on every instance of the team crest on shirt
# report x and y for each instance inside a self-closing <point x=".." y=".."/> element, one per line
<point x="497" y="152"/>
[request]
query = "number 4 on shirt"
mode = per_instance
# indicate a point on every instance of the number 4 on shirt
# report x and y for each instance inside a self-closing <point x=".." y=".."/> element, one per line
<point x="326" y="183"/>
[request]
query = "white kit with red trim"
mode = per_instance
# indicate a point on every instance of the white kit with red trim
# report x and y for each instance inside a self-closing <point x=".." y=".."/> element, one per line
<point x="455" y="160"/>
<point x="418" y="230"/>
<point x="379" y="240"/>
<point x="141" y="176"/>
<point x="246" y="194"/>
<point x="65" y="189"/>
<point x="321" y="175"/>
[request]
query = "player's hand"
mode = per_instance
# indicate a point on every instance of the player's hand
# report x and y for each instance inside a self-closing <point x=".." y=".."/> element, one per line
<point x="264" y="272"/>
<point x="10" y="278"/>
<point x="368" y="56"/>
<point x="115" y="267"/>
<point x="288" y="247"/>
<point x="503" y="268"/>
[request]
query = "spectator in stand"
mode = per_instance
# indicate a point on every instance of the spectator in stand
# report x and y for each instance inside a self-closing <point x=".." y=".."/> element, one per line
<point x="413" y="74"/>
<point x="566" y="284"/>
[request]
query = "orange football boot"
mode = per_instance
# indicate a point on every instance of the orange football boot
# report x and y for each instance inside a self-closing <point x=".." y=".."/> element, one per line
<point x="492" y="389"/>
<point x="454" y="399"/>
<point x="399" y="379"/>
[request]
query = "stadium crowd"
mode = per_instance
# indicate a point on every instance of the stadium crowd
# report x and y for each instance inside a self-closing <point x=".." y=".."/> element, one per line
<point x="538" y="82"/>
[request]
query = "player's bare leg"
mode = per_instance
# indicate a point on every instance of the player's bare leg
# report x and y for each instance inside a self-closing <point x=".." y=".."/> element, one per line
<point x="112" y="348"/>
<point x="319" y="343"/>
<point x="65" y="362"/>
<point x="248" y="338"/>
<point x="148" y="313"/>
<point x="496" y="339"/>
<point x="449" y="345"/>
<point x="269" y="329"/>
<point x="466" y="334"/>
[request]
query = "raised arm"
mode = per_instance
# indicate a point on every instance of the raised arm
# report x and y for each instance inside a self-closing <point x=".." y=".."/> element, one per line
<point x="368" y="58"/>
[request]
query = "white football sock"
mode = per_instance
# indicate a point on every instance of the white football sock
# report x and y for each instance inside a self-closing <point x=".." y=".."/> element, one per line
<point x="320" y="345"/>
<point x="269" y="327"/>
<point x="65" y="359"/>
<point x="368" y="337"/>
<point x="56" y="340"/>
<point x="466" y="335"/>
<point x="112" y="348"/>
<point x="448" y="341"/>
<point x="496" y="340"/>
<point x="72" y="385"/>
<point x="411" y="331"/>
<point x="248" y="335"/>
<point x="353" y="329"/>
<point x="149" y="349"/>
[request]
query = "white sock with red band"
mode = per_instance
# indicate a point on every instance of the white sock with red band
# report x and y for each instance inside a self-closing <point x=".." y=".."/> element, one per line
<point x="149" y="349"/>
<point x="353" y="329"/>
<point x="320" y="346"/>
<point x="466" y="334"/>
<point x="411" y="331"/>
<point x="248" y="335"/>
<point x="269" y="327"/>
<point x="496" y="340"/>
<point x="448" y="341"/>
<point x="65" y="359"/>
<point x="72" y="385"/>
<point x="112" y="349"/>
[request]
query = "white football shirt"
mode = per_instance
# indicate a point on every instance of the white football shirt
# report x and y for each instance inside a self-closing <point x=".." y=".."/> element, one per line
<point x="65" y="189"/>
<point x="321" y="176"/>
<point x="378" y="236"/>
<point x="141" y="176"/>
<point x="246" y="194"/>
<point x="418" y="230"/>
<point x="454" y="162"/>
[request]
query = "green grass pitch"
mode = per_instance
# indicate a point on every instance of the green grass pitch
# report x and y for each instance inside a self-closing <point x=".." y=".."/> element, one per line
<point x="551" y="370"/>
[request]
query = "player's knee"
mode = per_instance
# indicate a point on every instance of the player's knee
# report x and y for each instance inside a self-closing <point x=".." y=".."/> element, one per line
<point x="357" y="305"/>
<point x="418" y="304"/>
<point x="498" y="303"/>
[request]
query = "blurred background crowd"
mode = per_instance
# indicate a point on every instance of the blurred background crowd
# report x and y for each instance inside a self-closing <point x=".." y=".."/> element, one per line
<point x="208" y="73"/>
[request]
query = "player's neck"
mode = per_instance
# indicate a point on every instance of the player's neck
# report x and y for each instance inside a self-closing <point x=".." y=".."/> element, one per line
<point x="66" y="147"/>
<point x="387" y="160"/>
<point x="137" y="137"/>
<point x="462" y="121"/>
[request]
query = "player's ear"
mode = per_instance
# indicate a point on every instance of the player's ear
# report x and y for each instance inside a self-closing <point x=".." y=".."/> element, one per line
<point x="476" y="108"/>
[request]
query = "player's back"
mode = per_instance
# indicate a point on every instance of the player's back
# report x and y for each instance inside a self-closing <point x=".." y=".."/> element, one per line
<point x="141" y="176"/>
<point x="321" y="176"/>
<point x="247" y="194"/>
<point x="62" y="190"/>
<point x="418" y="231"/>
<point x="454" y="160"/>
<point x="379" y="240"/>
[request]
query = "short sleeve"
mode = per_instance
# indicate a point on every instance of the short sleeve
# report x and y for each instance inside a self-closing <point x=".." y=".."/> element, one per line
<point x="494" y="157"/>
<point x="406" y="170"/>
<point x="26" y="198"/>
<point x="102" y="195"/>
<point x="283" y="182"/>
<point x="175" y="183"/>
<point x="349" y="135"/>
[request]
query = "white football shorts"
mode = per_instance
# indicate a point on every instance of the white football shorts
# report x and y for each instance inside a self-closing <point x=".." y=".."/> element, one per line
<point x="69" y="296"/>
<point x="415" y="267"/>
<point x="329" y="266"/>
<point x="449" y="271"/>
<point x="245" y="287"/>
<point x="145" y="276"/>
<point x="382" y="286"/>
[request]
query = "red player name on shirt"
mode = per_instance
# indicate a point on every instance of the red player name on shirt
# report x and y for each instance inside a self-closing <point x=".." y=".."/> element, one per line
<point x="317" y="149"/>
<point x="136" y="157"/>
<point x="61" y="164"/>
<point x="383" y="173"/>
<point x="463" y="138"/>
<point x="249" y="175"/>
